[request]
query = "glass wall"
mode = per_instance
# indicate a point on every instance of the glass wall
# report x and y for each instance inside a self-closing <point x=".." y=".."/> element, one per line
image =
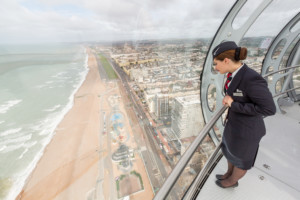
<point x="264" y="30"/>
<point x="115" y="87"/>
<point x="163" y="78"/>
<point x="106" y="95"/>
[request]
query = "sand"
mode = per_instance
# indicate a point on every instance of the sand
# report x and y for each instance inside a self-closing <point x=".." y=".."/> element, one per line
<point x="70" y="167"/>
<point x="71" y="157"/>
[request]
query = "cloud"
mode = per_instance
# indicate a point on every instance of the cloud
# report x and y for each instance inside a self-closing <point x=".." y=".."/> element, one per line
<point x="94" y="20"/>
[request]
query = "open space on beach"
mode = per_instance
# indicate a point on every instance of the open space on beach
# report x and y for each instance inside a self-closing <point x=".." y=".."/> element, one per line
<point x="77" y="162"/>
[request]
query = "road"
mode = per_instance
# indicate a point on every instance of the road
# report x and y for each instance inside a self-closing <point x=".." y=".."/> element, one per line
<point x="154" y="165"/>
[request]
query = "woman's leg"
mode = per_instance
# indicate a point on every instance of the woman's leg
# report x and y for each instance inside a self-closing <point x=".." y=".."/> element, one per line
<point x="236" y="175"/>
<point x="229" y="170"/>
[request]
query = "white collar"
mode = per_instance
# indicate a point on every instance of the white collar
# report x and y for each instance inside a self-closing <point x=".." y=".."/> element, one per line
<point x="236" y="71"/>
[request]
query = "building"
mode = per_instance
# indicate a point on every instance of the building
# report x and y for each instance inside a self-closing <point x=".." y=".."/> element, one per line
<point x="138" y="74"/>
<point x="161" y="105"/>
<point x="122" y="153"/>
<point x="187" y="119"/>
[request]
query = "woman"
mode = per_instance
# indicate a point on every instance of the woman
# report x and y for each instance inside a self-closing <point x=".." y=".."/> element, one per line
<point x="249" y="100"/>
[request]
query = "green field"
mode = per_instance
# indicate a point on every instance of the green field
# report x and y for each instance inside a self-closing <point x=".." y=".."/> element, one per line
<point x="108" y="69"/>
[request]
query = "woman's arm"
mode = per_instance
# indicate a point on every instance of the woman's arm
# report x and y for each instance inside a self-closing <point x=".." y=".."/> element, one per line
<point x="262" y="102"/>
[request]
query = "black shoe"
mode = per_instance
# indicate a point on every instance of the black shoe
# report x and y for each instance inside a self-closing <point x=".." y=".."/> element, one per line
<point x="219" y="177"/>
<point x="218" y="182"/>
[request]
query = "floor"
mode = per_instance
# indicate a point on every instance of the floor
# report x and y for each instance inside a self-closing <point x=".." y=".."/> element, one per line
<point x="275" y="175"/>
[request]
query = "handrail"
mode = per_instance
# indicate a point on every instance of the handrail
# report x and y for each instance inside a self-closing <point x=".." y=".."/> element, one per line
<point x="204" y="173"/>
<point x="174" y="175"/>
<point x="176" y="172"/>
<point x="289" y="90"/>
<point x="271" y="73"/>
<point x="211" y="162"/>
<point x="284" y="69"/>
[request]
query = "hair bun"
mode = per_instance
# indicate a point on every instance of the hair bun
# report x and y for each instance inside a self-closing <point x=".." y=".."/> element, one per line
<point x="237" y="53"/>
<point x="243" y="53"/>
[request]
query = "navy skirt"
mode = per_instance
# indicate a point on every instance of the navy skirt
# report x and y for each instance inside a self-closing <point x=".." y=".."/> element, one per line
<point x="233" y="159"/>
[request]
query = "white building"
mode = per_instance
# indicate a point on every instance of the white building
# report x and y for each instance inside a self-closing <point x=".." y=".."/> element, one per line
<point x="138" y="74"/>
<point x="161" y="105"/>
<point x="187" y="119"/>
<point x="149" y="97"/>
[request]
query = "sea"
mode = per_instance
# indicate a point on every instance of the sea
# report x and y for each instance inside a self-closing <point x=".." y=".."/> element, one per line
<point x="37" y="87"/>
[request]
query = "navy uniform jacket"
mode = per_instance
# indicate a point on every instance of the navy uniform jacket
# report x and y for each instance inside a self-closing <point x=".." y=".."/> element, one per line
<point x="245" y="126"/>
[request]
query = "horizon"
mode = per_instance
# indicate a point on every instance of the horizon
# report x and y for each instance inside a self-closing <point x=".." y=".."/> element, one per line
<point x="41" y="21"/>
<point x="128" y="40"/>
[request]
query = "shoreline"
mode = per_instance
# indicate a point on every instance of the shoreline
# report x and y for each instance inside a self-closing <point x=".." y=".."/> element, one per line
<point x="52" y="161"/>
<point x="77" y="163"/>
<point x="17" y="182"/>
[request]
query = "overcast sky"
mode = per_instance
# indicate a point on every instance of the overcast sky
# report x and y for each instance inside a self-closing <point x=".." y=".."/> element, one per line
<point x="34" y="21"/>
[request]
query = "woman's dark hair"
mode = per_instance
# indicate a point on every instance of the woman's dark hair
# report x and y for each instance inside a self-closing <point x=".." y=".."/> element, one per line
<point x="235" y="55"/>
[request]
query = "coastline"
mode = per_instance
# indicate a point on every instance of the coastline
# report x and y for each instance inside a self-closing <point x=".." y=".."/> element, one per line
<point x="77" y="163"/>
<point x="71" y="157"/>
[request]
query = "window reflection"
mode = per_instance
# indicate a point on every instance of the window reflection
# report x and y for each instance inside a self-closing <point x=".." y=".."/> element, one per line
<point x="263" y="31"/>
<point x="295" y="27"/>
<point x="211" y="97"/>
<point x="278" y="49"/>
<point x="151" y="70"/>
<point x="296" y="80"/>
<point x="248" y="8"/>
<point x="256" y="49"/>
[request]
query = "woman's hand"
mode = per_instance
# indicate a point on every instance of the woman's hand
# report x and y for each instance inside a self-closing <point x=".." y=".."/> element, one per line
<point x="227" y="100"/>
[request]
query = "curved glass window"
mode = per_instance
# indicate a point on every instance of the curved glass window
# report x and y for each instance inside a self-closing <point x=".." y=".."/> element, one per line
<point x="278" y="49"/>
<point x="107" y="95"/>
<point x="116" y="89"/>
<point x="296" y="80"/>
<point x="260" y="35"/>
<point x="211" y="97"/>
<point x="248" y="8"/>
<point x="295" y="27"/>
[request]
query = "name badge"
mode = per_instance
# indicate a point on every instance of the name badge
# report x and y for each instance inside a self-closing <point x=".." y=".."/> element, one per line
<point x="238" y="94"/>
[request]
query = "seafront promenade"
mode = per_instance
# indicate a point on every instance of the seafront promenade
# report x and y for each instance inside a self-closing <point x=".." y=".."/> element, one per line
<point x="77" y="163"/>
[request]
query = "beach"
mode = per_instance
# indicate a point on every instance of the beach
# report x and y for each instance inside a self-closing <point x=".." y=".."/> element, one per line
<point x="71" y="157"/>
<point x="77" y="163"/>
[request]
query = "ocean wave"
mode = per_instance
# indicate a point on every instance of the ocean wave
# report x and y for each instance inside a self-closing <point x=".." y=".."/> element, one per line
<point x="2" y="147"/>
<point x="19" y="140"/>
<point x="8" y="105"/>
<point x="47" y="84"/>
<point x="36" y="127"/>
<point x="59" y="75"/>
<point x="22" y="154"/>
<point x="63" y="79"/>
<point x="30" y="144"/>
<point x="53" y="109"/>
<point x="20" y="178"/>
<point x="12" y="148"/>
<point x="44" y="132"/>
<point x="49" y="125"/>
<point x="45" y="125"/>
<point x="62" y="76"/>
<point x="5" y="148"/>
<point x="10" y="131"/>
